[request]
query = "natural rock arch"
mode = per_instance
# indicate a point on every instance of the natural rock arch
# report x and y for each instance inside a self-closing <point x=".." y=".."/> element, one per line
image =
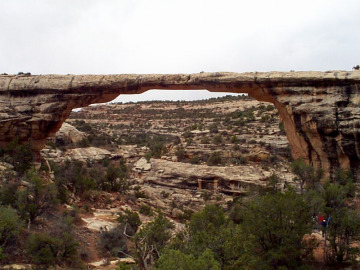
<point x="320" y="110"/>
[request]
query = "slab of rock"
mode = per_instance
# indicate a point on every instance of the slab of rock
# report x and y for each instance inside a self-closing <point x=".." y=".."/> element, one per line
<point x="69" y="133"/>
<point x="173" y="170"/>
<point x="5" y="167"/>
<point x="17" y="267"/>
<point x="103" y="219"/>
<point x="178" y="174"/>
<point x="176" y="212"/>
<point x="105" y="262"/>
<point x="87" y="154"/>
<point x="94" y="223"/>
<point x="127" y="151"/>
<point x="142" y="165"/>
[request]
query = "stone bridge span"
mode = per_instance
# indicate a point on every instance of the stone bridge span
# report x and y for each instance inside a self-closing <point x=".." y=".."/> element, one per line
<point x="320" y="110"/>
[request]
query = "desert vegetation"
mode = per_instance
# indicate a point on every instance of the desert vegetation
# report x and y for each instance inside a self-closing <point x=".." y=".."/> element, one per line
<point x="174" y="185"/>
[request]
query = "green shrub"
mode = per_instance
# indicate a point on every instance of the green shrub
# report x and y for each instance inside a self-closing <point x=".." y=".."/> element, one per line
<point x="68" y="249"/>
<point x="213" y="128"/>
<point x="138" y="193"/>
<point x="21" y="156"/>
<point x="215" y="159"/>
<point x="180" y="153"/>
<point x="165" y="194"/>
<point x="205" y="140"/>
<point x="124" y="266"/>
<point x="115" y="178"/>
<point x="37" y="198"/>
<point x="240" y="123"/>
<point x="236" y="147"/>
<point x="250" y="117"/>
<point x="281" y="216"/>
<point x="114" y="241"/>
<point x="188" y="134"/>
<point x="194" y="159"/>
<point x="79" y="179"/>
<point x="145" y="210"/>
<point x="59" y="247"/>
<point x="238" y="160"/>
<point x="43" y="248"/>
<point x="206" y="195"/>
<point x="130" y="218"/>
<point x="148" y="156"/>
<point x="156" y="144"/>
<point x="157" y="149"/>
<point x="7" y="192"/>
<point x="2" y="255"/>
<point x="175" y="259"/>
<point x="265" y="118"/>
<point x="83" y="143"/>
<point x="218" y="139"/>
<point x="307" y="176"/>
<point x="73" y="176"/>
<point x="10" y="226"/>
<point x="234" y="139"/>
<point x="344" y="228"/>
<point x="156" y="235"/>
<point x="208" y="230"/>
<point x="273" y="183"/>
<point x="186" y="215"/>
<point x="282" y="128"/>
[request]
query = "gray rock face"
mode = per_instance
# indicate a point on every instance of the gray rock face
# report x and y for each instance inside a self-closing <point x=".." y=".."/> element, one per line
<point x="178" y="173"/>
<point x="142" y="165"/>
<point x="69" y="134"/>
<point x="88" y="154"/>
<point x="320" y="110"/>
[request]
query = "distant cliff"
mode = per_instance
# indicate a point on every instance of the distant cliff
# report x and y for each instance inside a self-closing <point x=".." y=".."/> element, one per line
<point x="320" y="110"/>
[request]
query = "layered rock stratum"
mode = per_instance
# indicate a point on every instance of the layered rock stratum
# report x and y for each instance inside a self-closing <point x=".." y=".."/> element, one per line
<point x="320" y="110"/>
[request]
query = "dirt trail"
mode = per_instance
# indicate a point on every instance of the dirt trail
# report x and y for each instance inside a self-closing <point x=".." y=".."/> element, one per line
<point x="102" y="220"/>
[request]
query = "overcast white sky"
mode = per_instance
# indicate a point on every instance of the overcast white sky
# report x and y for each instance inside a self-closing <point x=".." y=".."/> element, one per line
<point x="171" y="36"/>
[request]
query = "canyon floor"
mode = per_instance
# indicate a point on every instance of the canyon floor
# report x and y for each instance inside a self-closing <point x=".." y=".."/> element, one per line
<point x="176" y="158"/>
<point x="180" y="156"/>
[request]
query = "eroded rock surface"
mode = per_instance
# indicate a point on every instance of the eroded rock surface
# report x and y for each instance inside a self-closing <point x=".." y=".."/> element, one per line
<point x="227" y="178"/>
<point x="87" y="154"/>
<point x="320" y="110"/>
<point x="69" y="134"/>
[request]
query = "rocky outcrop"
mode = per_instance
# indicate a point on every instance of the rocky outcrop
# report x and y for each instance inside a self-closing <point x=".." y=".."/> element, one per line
<point x="69" y="134"/>
<point x="320" y="110"/>
<point x="240" y="177"/>
<point x="141" y="166"/>
<point x="87" y="154"/>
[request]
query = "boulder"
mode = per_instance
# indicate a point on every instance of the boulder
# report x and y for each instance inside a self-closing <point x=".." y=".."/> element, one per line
<point x="87" y="154"/>
<point x="69" y="133"/>
<point x="142" y="165"/>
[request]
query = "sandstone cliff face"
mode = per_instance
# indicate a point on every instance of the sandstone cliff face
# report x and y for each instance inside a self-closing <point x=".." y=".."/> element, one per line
<point x="320" y="110"/>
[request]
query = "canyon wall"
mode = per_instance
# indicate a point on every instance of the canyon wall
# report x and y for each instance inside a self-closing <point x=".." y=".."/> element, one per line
<point x="320" y="110"/>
